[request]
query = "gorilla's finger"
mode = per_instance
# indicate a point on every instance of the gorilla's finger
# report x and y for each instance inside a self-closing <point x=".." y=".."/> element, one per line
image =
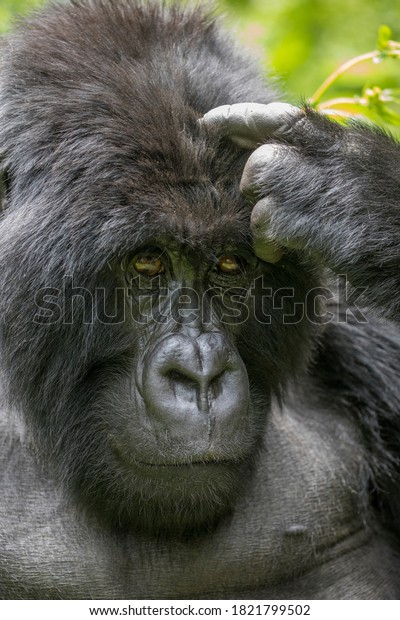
<point x="262" y="164"/>
<point x="249" y="124"/>
<point x="264" y="247"/>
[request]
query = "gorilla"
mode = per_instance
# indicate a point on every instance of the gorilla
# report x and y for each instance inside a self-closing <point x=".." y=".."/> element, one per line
<point x="200" y="294"/>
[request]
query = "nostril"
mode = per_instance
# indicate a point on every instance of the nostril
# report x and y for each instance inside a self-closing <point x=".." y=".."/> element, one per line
<point x="183" y="387"/>
<point x="191" y="385"/>
<point x="216" y="378"/>
<point x="176" y="377"/>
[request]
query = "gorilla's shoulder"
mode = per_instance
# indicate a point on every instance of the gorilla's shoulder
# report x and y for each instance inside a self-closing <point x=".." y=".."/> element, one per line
<point x="358" y="362"/>
<point x="361" y="360"/>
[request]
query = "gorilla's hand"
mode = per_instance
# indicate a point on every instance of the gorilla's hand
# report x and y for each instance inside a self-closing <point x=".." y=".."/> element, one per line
<point x="321" y="188"/>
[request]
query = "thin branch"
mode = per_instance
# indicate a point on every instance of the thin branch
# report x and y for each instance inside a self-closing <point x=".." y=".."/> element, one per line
<point x="341" y="101"/>
<point x="344" y="67"/>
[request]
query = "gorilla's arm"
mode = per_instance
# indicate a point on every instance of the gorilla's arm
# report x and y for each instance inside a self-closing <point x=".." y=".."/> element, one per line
<point x="323" y="189"/>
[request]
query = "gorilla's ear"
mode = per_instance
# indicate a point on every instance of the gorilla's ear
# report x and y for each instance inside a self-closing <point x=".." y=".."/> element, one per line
<point x="4" y="186"/>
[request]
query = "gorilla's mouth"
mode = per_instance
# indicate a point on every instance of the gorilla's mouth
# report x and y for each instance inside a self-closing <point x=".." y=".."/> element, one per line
<point x="190" y="464"/>
<point x="199" y="473"/>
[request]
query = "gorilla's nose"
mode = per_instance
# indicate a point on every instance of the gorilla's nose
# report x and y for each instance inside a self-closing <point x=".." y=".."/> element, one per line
<point x="195" y="382"/>
<point x="195" y="368"/>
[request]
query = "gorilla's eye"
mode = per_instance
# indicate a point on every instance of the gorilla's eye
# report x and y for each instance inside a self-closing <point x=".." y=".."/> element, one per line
<point x="149" y="265"/>
<point x="230" y="265"/>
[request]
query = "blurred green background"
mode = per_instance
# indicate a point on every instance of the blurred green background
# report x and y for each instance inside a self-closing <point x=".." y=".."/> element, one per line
<point x="301" y="41"/>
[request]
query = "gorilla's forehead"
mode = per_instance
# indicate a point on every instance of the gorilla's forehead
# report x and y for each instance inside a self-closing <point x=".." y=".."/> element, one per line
<point x="177" y="229"/>
<point x="173" y="183"/>
<point x="196" y="215"/>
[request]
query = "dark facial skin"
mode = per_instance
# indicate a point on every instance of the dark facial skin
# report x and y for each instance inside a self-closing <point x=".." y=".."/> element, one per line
<point x="185" y="418"/>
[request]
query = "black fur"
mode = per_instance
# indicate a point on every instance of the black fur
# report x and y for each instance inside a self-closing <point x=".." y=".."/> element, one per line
<point x="103" y="155"/>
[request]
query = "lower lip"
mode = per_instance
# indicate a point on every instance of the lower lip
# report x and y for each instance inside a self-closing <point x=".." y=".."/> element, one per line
<point x="187" y="465"/>
<point x="200" y="471"/>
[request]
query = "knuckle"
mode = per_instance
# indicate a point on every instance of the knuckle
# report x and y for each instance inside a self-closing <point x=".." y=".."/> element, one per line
<point x="265" y="163"/>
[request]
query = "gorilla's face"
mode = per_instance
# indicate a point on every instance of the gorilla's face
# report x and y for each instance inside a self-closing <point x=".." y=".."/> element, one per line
<point x="142" y="339"/>
<point x="181" y="427"/>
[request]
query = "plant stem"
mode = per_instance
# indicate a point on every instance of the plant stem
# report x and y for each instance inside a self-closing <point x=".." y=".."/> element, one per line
<point x="395" y="53"/>
<point x="344" y="67"/>
<point x="339" y="101"/>
<point x="338" y="113"/>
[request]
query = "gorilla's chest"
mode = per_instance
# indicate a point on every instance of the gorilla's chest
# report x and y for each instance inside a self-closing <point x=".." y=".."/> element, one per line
<point x="299" y="517"/>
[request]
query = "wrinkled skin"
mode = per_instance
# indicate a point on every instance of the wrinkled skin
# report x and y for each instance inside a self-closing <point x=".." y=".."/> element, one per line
<point x="190" y="409"/>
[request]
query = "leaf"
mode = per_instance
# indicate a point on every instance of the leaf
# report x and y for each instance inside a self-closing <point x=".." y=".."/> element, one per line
<point x="384" y="36"/>
<point x="388" y="116"/>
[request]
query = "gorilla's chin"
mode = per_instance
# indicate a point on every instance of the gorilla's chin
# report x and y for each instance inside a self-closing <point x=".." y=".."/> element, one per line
<point x="169" y="500"/>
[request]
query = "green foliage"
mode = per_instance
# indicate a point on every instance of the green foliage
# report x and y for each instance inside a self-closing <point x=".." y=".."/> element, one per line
<point x="384" y="36"/>
<point x="374" y="103"/>
<point x="308" y="40"/>
<point x="304" y="40"/>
